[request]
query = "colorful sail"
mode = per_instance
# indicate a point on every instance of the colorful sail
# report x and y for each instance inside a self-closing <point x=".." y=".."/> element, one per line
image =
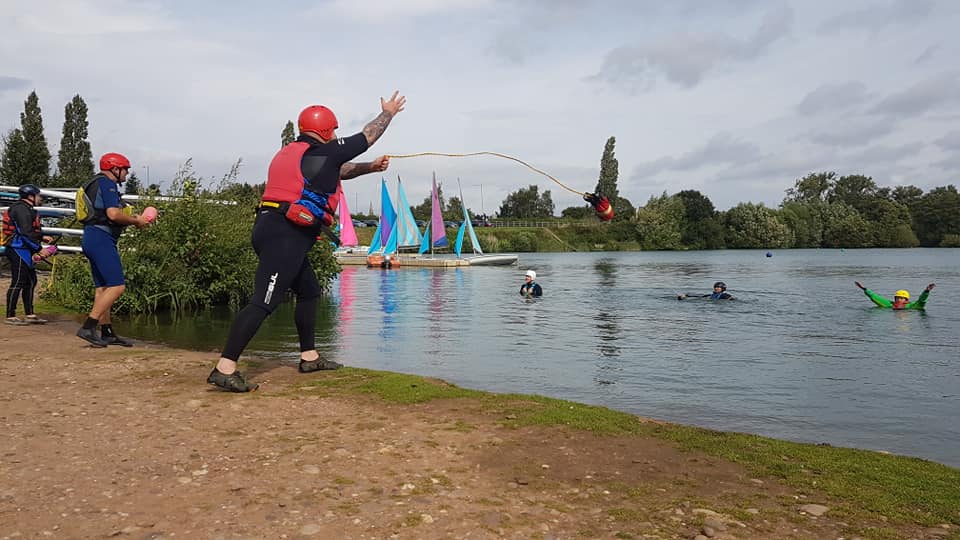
<point x="408" y="235"/>
<point x="375" y="243"/>
<point x="348" y="236"/>
<point x="388" y="216"/>
<point x="425" y="240"/>
<point x="439" y="235"/>
<point x="466" y="226"/>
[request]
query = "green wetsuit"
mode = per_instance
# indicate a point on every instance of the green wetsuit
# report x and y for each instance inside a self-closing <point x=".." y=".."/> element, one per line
<point x="884" y="303"/>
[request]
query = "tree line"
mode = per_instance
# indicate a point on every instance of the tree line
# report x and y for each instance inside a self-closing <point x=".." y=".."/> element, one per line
<point x="25" y="157"/>
<point x="822" y="209"/>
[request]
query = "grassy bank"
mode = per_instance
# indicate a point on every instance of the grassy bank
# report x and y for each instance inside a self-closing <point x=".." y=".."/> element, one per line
<point x="864" y="484"/>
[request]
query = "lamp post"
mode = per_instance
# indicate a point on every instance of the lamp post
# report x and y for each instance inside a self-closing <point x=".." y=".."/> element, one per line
<point x="147" y="167"/>
<point x="482" y="211"/>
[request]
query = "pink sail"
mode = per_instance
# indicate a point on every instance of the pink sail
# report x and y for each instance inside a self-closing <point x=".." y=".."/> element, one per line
<point x="348" y="236"/>
<point x="438" y="230"/>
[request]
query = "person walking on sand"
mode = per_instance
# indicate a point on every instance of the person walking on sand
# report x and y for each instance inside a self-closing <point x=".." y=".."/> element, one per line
<point x="108" y="216"/>
<point x="530" y="289"/>
<point x="21" y="238"/>
<point x="299" y="199"/>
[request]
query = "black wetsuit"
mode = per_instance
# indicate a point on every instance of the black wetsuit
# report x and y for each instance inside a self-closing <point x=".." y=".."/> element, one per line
<point x="531" y="289"/>
<point x="23" y="275"/>
<point x="282" y="247"/>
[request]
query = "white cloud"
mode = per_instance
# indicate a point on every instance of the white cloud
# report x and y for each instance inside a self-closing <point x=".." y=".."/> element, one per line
<point x="740" y="97"/>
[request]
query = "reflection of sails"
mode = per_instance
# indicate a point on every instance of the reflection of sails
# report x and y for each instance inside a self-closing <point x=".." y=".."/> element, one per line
<point x="388" y="302"/>
<point x="436" y="303"/>
<point x="347" y="296"/>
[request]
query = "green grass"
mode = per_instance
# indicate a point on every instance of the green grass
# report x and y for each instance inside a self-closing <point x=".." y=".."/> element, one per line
<point x="864" y="483"/>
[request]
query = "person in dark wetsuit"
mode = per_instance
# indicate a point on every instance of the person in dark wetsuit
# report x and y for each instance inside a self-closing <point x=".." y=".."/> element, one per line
<point x="719" y="293"/>
<point x="299" y="198"/>
<point x="101" y="231"/>
<point x="22" y="235"/>
<point x="529" y="289"/>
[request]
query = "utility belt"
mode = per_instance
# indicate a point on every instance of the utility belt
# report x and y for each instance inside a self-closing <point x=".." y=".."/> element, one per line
<point x="299" y="215"/>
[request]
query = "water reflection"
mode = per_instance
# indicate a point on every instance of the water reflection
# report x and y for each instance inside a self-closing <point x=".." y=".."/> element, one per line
<point x="800" y="355"/>
<point x="389" y="302"/>
<point x="347" y="296"/>
<point x="607" y="323"/>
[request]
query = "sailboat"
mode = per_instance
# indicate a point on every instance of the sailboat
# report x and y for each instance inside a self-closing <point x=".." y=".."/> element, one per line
<point x="479" y="258"/>
<point x="435" y="237"/>
<point x="397" y="229"/>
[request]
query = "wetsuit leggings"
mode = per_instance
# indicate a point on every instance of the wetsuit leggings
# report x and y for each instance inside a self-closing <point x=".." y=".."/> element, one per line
<point x="282" y="248"/>
<point x="23" y="281"/>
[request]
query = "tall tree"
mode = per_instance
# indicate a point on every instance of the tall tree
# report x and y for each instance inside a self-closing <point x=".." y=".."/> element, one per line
<point x="813" y="187"/>
<point x="12" y="165"/>
<point x="937" y="215"/>
<point x="609" y="171"/>
<point x="527" y="203"/>
<point x="132" y="186"/>
<point x="75" y="162"/>
<point x="607" y="183"/>
<point x="755" y="226"/>
<point x="701" y="227"/>
<point x="36" y="155"/>
<point x="287" y="136"/>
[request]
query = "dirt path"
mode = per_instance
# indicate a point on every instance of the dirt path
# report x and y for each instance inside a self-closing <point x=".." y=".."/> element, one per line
<point x="130" y="443"/>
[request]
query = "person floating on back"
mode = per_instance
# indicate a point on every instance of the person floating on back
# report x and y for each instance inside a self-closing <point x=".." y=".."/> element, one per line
<point x="719" y="293"/>
<point x="901" y="298"/>
<point x="530" y="289"/>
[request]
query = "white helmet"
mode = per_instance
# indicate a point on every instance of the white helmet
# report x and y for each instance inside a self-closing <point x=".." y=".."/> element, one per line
<point x="531" y="274"/>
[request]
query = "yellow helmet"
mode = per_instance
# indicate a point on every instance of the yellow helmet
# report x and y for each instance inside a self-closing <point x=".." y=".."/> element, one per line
<point x="903" y="293"/>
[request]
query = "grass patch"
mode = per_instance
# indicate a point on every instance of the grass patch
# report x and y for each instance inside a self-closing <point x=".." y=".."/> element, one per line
<point x="902" y="488"/>
<point x="905" y="490"/>
<point x="394" y="387"/>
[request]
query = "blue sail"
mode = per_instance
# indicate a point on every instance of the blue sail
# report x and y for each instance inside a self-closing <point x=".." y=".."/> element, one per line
<point x="473" y="235"/>
<point x="388" y="216"/>
<point x="408" y="234"/>
<point x="425" y="241"/>
<point x="391" y="245"/>
<point x="375" y="241"/>
<point x="459" y="243"/>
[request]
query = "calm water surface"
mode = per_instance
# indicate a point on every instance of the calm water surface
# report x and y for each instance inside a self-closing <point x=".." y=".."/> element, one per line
<point x="801" y="355"/>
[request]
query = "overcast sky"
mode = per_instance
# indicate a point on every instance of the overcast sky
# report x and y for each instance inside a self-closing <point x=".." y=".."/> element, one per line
<point x="735" y="98"/>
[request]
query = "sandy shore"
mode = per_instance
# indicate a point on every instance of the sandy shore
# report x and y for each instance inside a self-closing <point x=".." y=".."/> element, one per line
<point x="130" y="443"/>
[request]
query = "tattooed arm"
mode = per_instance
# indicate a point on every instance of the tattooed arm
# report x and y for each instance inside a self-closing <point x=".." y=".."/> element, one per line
<point x="352" y="170"/>
<point x="378" y="125"/>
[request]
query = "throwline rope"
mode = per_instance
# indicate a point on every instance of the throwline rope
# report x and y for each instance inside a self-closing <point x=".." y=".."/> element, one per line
<point x="600" y="203"/>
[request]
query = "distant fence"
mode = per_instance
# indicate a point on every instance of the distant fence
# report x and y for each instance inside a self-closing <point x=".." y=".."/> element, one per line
<point x="528" y="224"/>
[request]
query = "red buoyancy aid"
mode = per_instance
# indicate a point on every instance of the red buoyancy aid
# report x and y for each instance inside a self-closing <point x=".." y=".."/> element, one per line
<point x="284" y="177"/>
<point x="9" y="232"/>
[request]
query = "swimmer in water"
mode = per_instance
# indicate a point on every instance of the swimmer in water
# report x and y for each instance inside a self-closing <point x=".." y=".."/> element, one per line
<point x="901" y="298"/>
<point x="719" y="293"/>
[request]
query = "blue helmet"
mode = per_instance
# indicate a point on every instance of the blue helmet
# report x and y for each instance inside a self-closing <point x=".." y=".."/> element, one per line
<point x="27" y="190"/>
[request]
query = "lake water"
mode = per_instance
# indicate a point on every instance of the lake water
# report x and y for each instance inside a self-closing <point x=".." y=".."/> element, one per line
<point x="801" y="354"/>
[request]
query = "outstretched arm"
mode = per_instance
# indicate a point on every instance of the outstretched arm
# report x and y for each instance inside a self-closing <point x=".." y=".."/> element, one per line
<point x="378" y="125"/>
<point x="922" y="301"/>
<point x="352" y="170"/>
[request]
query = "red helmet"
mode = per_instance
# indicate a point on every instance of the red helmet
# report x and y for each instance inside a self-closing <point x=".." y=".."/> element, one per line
<point x="113" y="159"/>
<point x="318" y="119"/>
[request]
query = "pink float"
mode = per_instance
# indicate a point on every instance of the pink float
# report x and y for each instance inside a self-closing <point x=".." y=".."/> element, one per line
<point x="149" y="214"/>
